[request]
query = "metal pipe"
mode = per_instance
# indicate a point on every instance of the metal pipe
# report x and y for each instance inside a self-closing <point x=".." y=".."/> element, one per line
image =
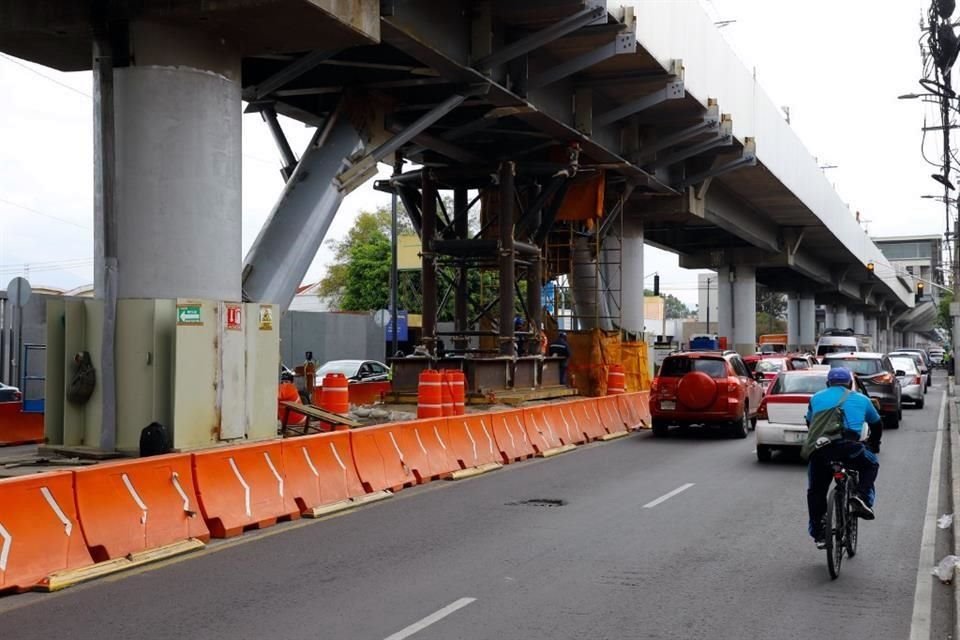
<point x="428" y="271"/>
<point x="394" y="273"/>
<point x="460" y="222"/>
<point x="534" y="303"/>
<point x="507" y="203"/>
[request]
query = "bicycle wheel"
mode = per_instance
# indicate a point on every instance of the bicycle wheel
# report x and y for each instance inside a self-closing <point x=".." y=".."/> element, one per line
<point x="833" y="529"/>
<point x="853" y="523"/>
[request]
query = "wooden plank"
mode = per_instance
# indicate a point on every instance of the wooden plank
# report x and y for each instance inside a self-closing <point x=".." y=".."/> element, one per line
<point x="317" y="413"/>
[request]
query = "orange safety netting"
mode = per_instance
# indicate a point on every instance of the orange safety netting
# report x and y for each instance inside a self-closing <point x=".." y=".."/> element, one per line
<point x="636" y="365"/>
<point x="591" y="353"/>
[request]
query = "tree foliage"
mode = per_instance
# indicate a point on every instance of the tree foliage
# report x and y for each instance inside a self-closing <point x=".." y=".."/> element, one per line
<point x="943" y="311"/>
<point x="675" y="307"/>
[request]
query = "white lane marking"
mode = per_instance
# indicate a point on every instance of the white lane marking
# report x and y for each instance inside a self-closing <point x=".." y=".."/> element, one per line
<point x="306" y="455"/>
<point x="5" y="549"/>
<point x="266" y="456"/>
<point x="67" y="525"/>
<point x="437" y="616"/>
<point x="922" y="595"/>
<point x="243" y="483"/>
<point x="667" y="496"/>
<point x="136" y="497"/>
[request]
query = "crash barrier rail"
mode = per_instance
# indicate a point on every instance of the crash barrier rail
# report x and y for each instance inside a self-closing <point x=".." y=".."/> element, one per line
<point x="63" y="527"/>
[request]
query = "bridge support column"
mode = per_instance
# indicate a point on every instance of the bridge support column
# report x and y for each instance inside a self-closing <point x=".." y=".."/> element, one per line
<point x="172" y="194"/>
<point x="859" y="323"/>
<point x="632" y="298"/>
<point x="841" y="317"/>
<point x="807" y="317"/>
<point x="793" y="321"/>
<point x="737" y="301"/>
<point x="829" y="317"/>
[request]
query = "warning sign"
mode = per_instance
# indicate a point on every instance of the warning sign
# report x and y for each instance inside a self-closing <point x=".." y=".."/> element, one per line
<point x="233" y="317"/>
<point x="266" y="317"/>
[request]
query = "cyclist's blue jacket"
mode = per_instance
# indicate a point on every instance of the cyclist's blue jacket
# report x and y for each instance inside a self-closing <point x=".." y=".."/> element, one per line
<point x="857" y="408"/>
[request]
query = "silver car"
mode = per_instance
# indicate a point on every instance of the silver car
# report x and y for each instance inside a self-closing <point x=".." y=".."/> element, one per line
<point x="912" y="383"/>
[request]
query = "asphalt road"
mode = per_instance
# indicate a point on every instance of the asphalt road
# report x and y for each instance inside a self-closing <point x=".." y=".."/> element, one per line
<point x="687" y="537"/>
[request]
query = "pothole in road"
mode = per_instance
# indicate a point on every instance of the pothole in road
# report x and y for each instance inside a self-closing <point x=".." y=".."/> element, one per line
<point x="538" y="502"/>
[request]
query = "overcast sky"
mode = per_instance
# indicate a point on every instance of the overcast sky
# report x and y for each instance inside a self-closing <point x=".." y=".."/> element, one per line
<point x="838" y="64"/>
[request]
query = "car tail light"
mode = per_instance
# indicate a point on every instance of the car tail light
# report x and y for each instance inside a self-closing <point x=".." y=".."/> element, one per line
<point x="762" y="410"/>
<point x="917" y="380"/>
<point x="733" y="384"/>
<point x="883" y="378"/>
<point x="17" y="396"/>
<point x="655" y="385"/>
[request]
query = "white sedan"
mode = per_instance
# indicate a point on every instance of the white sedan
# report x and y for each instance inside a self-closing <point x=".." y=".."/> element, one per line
<point x="782" y="415"/>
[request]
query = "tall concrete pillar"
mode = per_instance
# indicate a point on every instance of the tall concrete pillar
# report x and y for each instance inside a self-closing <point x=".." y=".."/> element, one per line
<point x="631" y="296"/>
<point x="177" y="176"/>
<point x="737" y="298"/>
<point x="589" y="297"/>
<point x="842" y="317"/>
<point x="829" y="317"/>
<point x="793" y="321"/>
<point x="859" y="323"/>
<point x="807" y="320"/>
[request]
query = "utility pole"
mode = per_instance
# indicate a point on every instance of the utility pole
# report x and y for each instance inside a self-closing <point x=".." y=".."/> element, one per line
<point x="708" y="306"/>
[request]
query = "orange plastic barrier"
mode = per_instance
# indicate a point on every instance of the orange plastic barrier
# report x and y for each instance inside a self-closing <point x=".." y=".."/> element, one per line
<point x="242" y="487"/>
<point x="380" y="460"/>
<point x="590" y="421"/>
<point x="540" y="429"/>
<point x="430" y="394"/>
<point x="360" y="393"/>
<point x="610" y="415"/>
<point x="426" y="446"/>
<point x="510" y="436"/>
<point x="39" y="530"/>
<point x="17" y="427"/>
<point x="562" y="418"/>
<point x="471" y="440"/>
<point x="635" y="409"/>
<point x="320" y="469"/>
<point x="128" y="507"/>
<point x="335" y="394"/>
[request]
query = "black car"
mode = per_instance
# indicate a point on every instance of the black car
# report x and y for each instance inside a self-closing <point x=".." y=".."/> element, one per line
<point x="879" y="377"/>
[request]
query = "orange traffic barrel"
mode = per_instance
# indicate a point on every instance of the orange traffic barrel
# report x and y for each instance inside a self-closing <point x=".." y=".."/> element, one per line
<point x="430" y="394"/>
<point x="446" y="393"/>
<point x="335" y="395"/>
<point x="458" y="389"/>
<point x="616" y="380"/>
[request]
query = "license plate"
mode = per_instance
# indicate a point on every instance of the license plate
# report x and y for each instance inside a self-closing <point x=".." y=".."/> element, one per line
<point x="668" y="405"/>
<point x="795" y="436"/>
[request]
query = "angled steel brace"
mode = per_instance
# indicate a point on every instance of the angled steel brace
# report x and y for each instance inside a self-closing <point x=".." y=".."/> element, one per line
<point x="367" y="166"/>
<point x="289" y="160"/>
<point x="289" y="73"/>
<point x="530" y="216"/>
<point x="624" y="42"/>
<point x="673" y="91"/>
<point x="747" y="159"/>
<point x="540" y="38"/>
<point x="723" y="139"/>
<point x="710" y="122"/>
<point x="426" y="141"/>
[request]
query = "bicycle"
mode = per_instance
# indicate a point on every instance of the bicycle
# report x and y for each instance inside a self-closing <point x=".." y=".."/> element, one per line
<point x="841" y="520"/>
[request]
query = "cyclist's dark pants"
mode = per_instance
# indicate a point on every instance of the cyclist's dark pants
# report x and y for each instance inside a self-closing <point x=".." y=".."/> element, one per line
<point x="820" y="474"/>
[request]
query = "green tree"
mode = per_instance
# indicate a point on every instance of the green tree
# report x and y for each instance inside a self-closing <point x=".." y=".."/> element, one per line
<point x="943" y="311"/>
<point x="771" y="311"/>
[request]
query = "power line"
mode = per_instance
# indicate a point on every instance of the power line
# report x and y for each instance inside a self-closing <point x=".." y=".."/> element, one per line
<point x="45" y="215"/>
<point x="44" y="76"/>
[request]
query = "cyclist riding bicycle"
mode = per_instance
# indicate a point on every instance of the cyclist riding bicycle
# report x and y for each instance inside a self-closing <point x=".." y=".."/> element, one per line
<point x="857" y="409"/>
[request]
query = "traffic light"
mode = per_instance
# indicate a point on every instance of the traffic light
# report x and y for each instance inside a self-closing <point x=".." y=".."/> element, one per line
<point x="919" y="291"/>
<point x="656" y="285"/>
<point x="870" y="267"/>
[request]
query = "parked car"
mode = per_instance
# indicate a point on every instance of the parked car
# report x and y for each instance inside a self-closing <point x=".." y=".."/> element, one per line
<point x="705" y="388"/>
<point x="356" y="370"/>
<point x="925" y="371"/>
<point x="936" y="355"/>
<point x="912" y="381"/>
<point x="782" y="416"/>
<point x="9" y="394"/>
<point x="878" y="376"/>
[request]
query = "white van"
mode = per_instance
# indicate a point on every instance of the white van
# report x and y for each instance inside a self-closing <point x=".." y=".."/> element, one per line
<point x="839" y="341"/>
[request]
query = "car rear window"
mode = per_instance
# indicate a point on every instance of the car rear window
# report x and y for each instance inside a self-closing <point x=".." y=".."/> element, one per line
<point x="860" y="367"/>
<point x="769" y="365"/>
<point x="678" y="367"/>
<point x="904" y="363"/>
<point x="824" y="349"/>
<point x="800" y="363"/>
<point x="808" y="384"/>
